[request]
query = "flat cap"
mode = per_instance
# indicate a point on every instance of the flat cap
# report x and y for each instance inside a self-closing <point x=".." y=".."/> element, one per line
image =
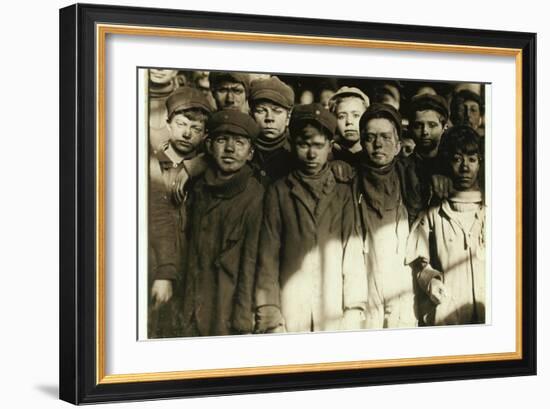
<point x="424" y="102"/>
<point x="187" y="98"/>
<point x="312" y="113"/>
<point x="379" y="110"/>
<point x="234" y="122"/>
<point x="347" y="92"/>
<point x="217" y="77"/>
<point x="274" y="90"/>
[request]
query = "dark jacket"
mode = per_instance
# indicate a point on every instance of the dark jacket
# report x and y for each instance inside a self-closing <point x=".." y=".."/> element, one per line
<point x="270" y="166"/>
<point x="222" y="241"/>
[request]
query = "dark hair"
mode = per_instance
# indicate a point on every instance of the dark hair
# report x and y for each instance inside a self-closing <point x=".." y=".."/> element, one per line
<point x="460" y="139"/>
<point x="193" y="114"/>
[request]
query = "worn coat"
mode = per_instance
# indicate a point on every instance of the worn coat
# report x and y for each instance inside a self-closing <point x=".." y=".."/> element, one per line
<point x="391" y="301"/>
<point x="456" y="255"/>
<point x="222" y="243"/>
<point x="165" y="225"/>
<point x="167" y="218"/>
<point x="310" y="259"/>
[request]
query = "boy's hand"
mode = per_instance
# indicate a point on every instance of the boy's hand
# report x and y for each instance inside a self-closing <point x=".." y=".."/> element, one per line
<point x="437" y="291"/>
<point x="161" y="292"/>
<point x="442" y="186"/>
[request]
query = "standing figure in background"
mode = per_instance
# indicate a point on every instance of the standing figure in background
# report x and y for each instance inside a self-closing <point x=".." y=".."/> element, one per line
<point x="467" y="108"/>
<point x="271" y="102"/>
<point x="348" y="105"/>
<point x="230" y="90"/>
<point x="428" y="116"/>
<point x="162" y="83"/>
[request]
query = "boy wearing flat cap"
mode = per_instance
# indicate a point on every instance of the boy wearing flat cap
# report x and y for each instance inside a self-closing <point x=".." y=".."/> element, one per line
<point x="225" y="214"/>
<point x="230" y="90"/>
<point x="348" y="104"/>
<point x="428" y="116"/>
<point x="271" y="102"/>
<point x="384" y="194"/>
<point x="310" y="273"/>
<point x="171" y="165"/>
<point x="467" y="109"/>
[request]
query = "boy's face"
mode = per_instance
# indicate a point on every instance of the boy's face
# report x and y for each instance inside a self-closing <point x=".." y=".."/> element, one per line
<point x="465" y="170"/>
<point x="348" y="113"/>
<point x="380" y="142"/>
<point x="312" y="149"/>
<point x="162" y="76"/>
<point x="185" y="134"/>
<point x="407" y="147"/>
<point x="427" y="130"/>
<point x="472" y="114"/>
<point x="230" y="152"/>
<point x="230" y="95"/>
<point x="271" y="118"/>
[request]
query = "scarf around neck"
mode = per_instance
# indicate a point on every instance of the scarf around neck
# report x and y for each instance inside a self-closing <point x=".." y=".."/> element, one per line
<point x="314" y="184"/>
<point x="268" y="145"/>
<point x="381" y="187"/>
<point x="226" y="188"/>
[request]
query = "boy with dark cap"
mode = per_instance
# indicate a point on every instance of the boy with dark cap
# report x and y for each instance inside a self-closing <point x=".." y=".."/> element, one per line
<point x="173" y="162"/>
<point x="225" y="214"/>
<point x="271" y="102"/>
<point x="467" y="109"/>
<point x="428" y="116"/>
<point x="447" y="246"/>
<point x="310" y="271"/>
<point x="384" y="194"/>
<point x="348" y="105"/>
<point x="230" y="90"/>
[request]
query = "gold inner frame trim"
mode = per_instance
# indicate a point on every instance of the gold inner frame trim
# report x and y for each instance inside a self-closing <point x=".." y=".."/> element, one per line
<point x="101" y="33"/>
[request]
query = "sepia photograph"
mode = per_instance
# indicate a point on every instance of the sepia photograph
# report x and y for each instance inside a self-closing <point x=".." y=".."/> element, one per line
<point x="300" y="203"/>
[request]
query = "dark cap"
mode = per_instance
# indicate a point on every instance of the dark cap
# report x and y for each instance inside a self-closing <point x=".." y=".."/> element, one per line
<point x="234" y="122"/>
<point x="312" y="113"/>
<point x="274" y="90"/>
<point x="187" y="98"/>
<point x="216" y="78"/>
<point x="424" y="102"/>
<point x="467" y="95"/>
<point x="379" y="110"/>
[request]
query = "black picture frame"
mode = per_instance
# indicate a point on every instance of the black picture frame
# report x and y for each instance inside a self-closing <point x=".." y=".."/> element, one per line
<point x="79" y="358"/>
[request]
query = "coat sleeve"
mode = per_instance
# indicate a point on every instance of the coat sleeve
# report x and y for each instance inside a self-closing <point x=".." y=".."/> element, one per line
<point x="242" y="320"/>
<point x="267" y="292"/>
<point x="354" y="274"/>
<point x="418" y="251"/>
<point x="163" y="228"/>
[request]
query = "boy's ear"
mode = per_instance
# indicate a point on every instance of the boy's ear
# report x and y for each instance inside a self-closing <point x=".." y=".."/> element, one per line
<point x="250" y="153"/>
<point x="398" y="146"/>
<point x="208" y="144"/>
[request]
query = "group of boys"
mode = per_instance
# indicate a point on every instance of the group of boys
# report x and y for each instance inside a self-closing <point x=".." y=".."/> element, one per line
<point x="266" y="216"/>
